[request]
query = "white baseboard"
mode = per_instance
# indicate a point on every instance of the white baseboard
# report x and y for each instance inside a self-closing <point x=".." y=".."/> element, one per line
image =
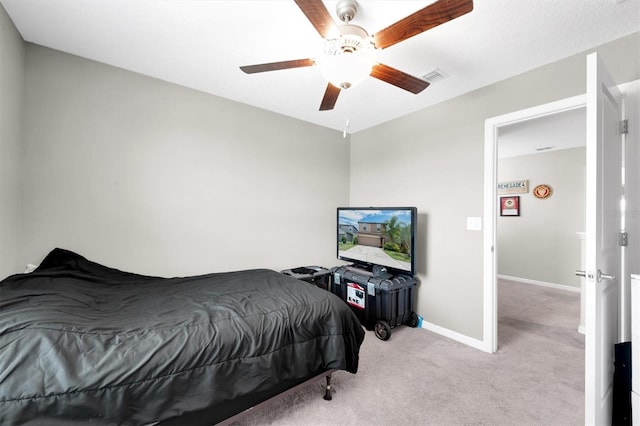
<point x="469" y="341"/>
<point x="479" y="344"/>
<point x="540" y="283"/>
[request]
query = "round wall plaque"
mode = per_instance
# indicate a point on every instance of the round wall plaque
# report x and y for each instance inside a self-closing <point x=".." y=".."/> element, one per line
<point x="542" y="191"/>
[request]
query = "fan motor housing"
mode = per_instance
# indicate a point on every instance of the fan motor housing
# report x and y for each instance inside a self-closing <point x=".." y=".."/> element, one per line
<point x="346" y="10"/>
<point x="352" y="38"/>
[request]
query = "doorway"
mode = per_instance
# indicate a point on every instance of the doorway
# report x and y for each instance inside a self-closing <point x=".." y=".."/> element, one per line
<point x="493" y="128"/>
<point x="605" y="107"/>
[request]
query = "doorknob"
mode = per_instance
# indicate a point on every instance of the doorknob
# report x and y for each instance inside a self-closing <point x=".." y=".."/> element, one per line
<point x="600" y="276"/>
<point x="584" y="274"/>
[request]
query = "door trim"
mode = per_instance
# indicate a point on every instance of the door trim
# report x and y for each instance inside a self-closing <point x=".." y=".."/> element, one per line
<point x="491" y="128"/>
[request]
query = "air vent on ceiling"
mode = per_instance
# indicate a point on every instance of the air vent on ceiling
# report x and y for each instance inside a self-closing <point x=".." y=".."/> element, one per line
<point x="434" y="75"/>
<point x="545" y="148"/>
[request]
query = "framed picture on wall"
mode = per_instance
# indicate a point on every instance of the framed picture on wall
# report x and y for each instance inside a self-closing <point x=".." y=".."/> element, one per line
<point x="510" y="206"/>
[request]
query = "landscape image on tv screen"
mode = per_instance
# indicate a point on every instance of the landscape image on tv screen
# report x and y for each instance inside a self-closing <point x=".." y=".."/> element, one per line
<point x="377" y="236"/>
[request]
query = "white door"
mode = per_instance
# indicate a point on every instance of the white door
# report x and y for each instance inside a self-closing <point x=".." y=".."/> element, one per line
<point x="603" y="260"/>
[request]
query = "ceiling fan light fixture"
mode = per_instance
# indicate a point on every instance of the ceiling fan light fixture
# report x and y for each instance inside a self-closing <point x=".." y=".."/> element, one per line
<point x="350" y="53"/>
<point x="348" y="59"/>
<point x="346" y="69"/>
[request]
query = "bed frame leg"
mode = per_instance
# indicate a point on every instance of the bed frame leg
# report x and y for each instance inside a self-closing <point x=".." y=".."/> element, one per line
<point x="327" y="393"/>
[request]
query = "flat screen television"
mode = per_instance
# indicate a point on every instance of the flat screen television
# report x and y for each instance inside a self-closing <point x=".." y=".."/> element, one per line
<point x="382" y="236"/>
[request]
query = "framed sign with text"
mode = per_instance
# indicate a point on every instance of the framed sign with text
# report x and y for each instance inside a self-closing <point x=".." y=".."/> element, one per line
<point x="513" y="187"/>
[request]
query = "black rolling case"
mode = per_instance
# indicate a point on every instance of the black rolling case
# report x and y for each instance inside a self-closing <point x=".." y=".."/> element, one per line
<point x="380" y="303"/>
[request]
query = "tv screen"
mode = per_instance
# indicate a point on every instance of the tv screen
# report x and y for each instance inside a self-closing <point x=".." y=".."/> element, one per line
<point x="383" y="236"/>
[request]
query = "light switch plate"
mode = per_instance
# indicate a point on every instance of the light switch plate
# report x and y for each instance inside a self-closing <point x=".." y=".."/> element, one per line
<point x="474" y="224"/>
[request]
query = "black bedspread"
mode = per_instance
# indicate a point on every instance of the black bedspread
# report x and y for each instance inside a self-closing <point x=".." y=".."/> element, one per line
<point x="81" y="342"/>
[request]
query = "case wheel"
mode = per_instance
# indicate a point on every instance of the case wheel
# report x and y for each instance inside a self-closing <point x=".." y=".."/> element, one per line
<point x="382" y="330"/>
<point x="413" y="320"/>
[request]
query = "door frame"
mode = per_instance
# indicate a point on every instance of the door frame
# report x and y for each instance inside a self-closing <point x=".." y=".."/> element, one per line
<point x="491" y="129"/>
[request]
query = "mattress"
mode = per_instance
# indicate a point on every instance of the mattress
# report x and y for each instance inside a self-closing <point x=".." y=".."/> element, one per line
<point x="82" y="342"/>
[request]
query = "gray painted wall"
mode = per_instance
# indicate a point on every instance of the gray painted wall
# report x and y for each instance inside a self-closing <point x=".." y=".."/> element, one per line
<point x="155" y="178"/>
<point x="541" y="244"/>
<point x="11" y="96"/>
<point x="434" y="160"/>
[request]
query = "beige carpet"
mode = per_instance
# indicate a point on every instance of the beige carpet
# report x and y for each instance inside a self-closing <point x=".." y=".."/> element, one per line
<point x="420" y="378"/>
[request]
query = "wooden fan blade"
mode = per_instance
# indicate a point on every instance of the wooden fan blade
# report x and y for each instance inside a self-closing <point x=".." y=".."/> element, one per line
<point x="330" y="97"/>
<point x="319" y="17"/>
<point x="398" y="78"/>
<point x="431" y="16"/>
<point x="274" y="66"/>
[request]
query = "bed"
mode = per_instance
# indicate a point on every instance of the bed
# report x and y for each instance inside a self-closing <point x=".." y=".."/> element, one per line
<point x="84" y="343"/>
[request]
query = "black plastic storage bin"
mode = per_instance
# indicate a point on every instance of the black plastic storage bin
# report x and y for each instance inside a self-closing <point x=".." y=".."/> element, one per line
<point x="321" y="277"/>
<point x="380" y="303"/>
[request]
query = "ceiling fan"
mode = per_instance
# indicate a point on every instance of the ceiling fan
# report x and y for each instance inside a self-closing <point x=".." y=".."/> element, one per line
<point x="350" y="51"/>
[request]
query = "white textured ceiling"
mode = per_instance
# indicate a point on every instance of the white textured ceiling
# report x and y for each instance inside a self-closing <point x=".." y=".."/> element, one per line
<point x="201" y="43"/>
<point x="552" y="132"/>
